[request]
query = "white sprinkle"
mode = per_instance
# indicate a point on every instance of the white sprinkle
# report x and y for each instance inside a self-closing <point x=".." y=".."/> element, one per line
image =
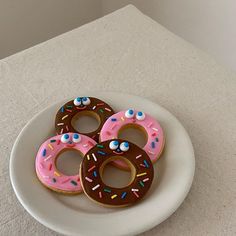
<point x="137" y="157"/>
<point x="145" y="180"/>
<point x="47" y="158"/>
<point x="151" y="152"/>
<point x="94" y="157"/>
<point x="88" y="179"/>
<point x="107" y="109"/>
<point x="94" y="107"/>
<point x="95" y="187"/>
<point x="59" y="124"/>
<point x="85" y="145"/>
<point x="45" y="177"/>
<point x="155" y="129"/>
<point x="149" y="125"/>
<point x="41" y="165"/>
<point x="134" y="190"/>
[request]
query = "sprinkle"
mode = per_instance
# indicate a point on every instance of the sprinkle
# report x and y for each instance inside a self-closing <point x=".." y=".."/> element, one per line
<point x="61" y="131"/>
<point x="113" y="126"/>
<point x="149" y="125"/>
<point x="58" y="141"/>
<point x="41" y="165"/>
<point x="151" y="152"/>
<point x="145" y="163"/>
<point x="113" y="119"/>
<point x="50" y="167"/>
<point x="94" y="107"/>
<point x="65" y="181"/>
<point x="60" y="124"/>
<point x="54" y="180"/>
<point x="88" y="179"/>
<point x="95" y="187"/>
<point x="107" y="190"/>
<point x="50" y="146"/>
<point x="62" y="109"/>
<point x="141" y="183"/>
<point x="145" y="180"/>
<point x="53" y="141"/>
<point x="134" y="190"/>
<point x="153" y="144"/>
<point x="78" y="179"/>
<point x="113" y="196"/>
<point x="108" y="133"/>
<point x="46" y="177"/>
<point x="85" y="145"/>
<point x="107" y="109"/>
<point x="141" y="174"/>
<point x="73" y="182"/>
<point x="88" y="157"/>
<point x="142" y="165"/>
<point x="95" y="174"/>
<point x="100" y="104"/>
<point x="47" y="158"/>
<point x="101" y="110"/>
<point x="64" y="117"/>
<point x="69" y="106"/>
<point x="68" y="110"/>
<point x="100" y="194"/>
<point x="102" y="153"/>
<point x="67" y="128"/>
<point x="100" y="146"/>
<point x="91" y="168"/>
<point x="135" y="193"/>
<point x="123" y="195"/>
<point x="154" y="134"/>
<point x="157" y="139"/>
<point x="122" y="118"/>
<point x="155" y="129"/>
<point x="94" y="157"/>
<point x="44" y="152"/>
<point x="56" y="173"/>
<point x="137" y="157"/>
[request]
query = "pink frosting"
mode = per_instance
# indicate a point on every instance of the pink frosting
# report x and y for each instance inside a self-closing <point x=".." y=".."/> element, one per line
<point x="155" y="136"/>
<point x="45" y="162"/>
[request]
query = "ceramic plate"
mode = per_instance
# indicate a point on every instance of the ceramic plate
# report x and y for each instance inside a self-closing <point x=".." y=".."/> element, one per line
<point x="77" y="215"/>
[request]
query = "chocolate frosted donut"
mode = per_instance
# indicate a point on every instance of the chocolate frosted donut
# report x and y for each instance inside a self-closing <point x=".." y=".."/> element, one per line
<point x="91" y="171"/>
<point x="85" y="106"/>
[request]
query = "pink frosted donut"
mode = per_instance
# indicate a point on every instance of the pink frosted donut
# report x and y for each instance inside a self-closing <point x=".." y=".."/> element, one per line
<point x="138" y="119"/>
<point x="45" y="163"/>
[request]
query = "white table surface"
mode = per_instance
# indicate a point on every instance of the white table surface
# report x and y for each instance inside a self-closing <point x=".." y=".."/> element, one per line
<point x="127" y="51"/>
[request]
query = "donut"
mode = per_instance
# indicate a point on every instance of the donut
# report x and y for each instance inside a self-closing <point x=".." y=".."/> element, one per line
<point x="45" y="163"/>
<point x="137" y="119"/>
<point x="91" y="171"/>
<point x="82" y="106"/>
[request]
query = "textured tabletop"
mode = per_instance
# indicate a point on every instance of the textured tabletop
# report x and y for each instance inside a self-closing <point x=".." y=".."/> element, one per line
<point x="127" y="51"/>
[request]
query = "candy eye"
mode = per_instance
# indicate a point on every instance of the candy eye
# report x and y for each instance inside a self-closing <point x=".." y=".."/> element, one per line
<point x="76" y="138"/>
<point x="113" y="145"/>
<point x="129" y="113"/>
<point x="86" y="101"/>
<point x="77" y="101"/>
<point x="140" y="115"/>
<point x="124" y="147"/>
<point x="65" y="138"/>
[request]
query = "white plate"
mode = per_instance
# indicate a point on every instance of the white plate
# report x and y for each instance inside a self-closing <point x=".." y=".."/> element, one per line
<point x="77" y="215"/>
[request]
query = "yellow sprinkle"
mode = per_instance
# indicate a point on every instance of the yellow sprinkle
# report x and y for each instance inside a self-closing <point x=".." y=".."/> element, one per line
<point x="88" y="157"/>
<point x="64" y="117"/>
<point x="50" y="146"/>
<point x="113" y="196"/>
<point x="122" y="118"/>
<point x="144" y="173"/>
<point x="56" y="173"/>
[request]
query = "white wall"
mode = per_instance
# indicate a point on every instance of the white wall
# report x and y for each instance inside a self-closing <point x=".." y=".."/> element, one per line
<point x="24" y="23"/>
<point x="209" y="24"/>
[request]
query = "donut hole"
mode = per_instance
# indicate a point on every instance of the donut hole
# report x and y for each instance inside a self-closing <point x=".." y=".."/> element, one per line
<point x="85" y="122"/>
<point x="134" y="133"/>
<point x="114" y="177"/>
<point x="68" y="161"/>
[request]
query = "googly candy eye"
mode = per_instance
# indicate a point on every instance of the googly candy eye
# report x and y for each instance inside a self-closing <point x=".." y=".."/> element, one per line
<point x="65" y="138"/>
<point x="86" y="101"/>
<point x="77" y="101"/>
<point x="129" y="113"/>
<point x="76" y="138"/>
<point x="113" y="145"/>
<point x="140" y="115"/>
<point x="124" y="146"/>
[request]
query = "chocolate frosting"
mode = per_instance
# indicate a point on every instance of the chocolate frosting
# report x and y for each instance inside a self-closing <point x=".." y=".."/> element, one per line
<point x="91" y="174"/>
<point x="69" y="110"/>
